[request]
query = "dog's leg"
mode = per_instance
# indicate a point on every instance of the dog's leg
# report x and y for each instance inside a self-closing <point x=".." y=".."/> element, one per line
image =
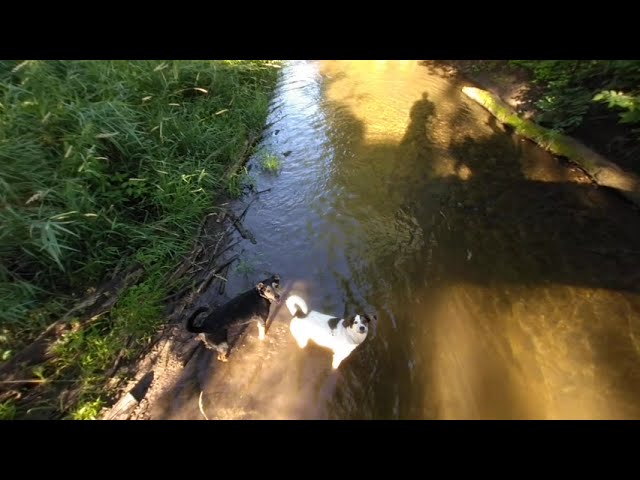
<point x="301" y="340"/>
<point x="221" y="348"/>
<point x="208" y="343"/>
<point x="338" y="357"/>
<point x="296" y="331"/>
<point x="261" y="330"/>
<point x="223" y="352"/>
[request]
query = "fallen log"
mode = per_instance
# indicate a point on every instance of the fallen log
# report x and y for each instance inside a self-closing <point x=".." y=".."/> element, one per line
<point x="126" y="404"/>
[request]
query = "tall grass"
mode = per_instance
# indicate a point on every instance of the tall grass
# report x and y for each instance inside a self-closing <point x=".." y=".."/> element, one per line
<point x="103" y="162"/>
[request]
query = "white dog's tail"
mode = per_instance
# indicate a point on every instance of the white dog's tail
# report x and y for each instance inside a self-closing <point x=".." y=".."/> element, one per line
<point x="296" y="305"/>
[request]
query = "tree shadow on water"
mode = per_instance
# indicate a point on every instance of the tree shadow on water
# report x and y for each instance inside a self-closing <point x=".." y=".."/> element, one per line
<point x="490" y="236"/>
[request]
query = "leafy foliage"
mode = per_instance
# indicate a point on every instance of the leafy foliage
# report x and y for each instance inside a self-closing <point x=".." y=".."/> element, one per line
<point x="570" y="87"/>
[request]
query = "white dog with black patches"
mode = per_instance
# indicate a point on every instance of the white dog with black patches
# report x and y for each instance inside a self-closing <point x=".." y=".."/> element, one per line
<point x="342" y="336"/>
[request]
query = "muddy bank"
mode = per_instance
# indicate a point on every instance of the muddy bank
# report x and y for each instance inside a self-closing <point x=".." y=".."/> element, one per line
<point x="511" y="84"/>
<point x="603" y="172"/>
<point x="600" y="129"/>
<point x="145" y="388"/>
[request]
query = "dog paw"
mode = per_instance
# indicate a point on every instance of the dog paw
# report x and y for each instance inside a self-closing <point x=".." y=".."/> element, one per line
<point x="223" y="358"/>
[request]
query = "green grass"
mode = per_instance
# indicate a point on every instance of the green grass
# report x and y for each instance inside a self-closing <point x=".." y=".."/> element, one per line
<point x="104" y="163"/>
<point x="7" y="410"/>
<point x="244" y="267"/>
<point x="238" y="182"/>
<point x="88" y="410"/>
<point x="271" y="163"/>
<point x="570" y="88"/>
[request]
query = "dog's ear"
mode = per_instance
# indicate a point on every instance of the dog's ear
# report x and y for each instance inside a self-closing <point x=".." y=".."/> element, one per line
<point x="369" y="318"/>
<point x="260" y="286"/>
<point x="348" y="321"/>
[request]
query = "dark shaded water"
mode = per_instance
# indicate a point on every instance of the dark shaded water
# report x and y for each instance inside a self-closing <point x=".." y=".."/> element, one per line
<point x="506" y="285"/>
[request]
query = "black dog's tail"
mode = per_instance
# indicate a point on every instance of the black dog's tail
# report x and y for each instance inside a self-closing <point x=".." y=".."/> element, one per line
<point x="189" y="325"/>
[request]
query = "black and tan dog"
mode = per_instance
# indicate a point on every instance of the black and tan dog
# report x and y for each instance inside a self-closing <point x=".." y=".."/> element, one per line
<point x="252" y="305"/>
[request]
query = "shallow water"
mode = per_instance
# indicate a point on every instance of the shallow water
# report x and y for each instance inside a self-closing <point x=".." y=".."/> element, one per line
<point x="505" y="284"/>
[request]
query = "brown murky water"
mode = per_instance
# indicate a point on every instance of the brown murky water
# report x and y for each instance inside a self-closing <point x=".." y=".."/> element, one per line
<point x="506" y="285"/>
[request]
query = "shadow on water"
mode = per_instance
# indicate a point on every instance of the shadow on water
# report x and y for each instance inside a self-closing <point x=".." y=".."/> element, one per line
<point x="513" y="297"/>
<point x="506" y="285"/>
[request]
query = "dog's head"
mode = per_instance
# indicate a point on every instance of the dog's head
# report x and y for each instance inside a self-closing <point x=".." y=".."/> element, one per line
<point x="358" y="325"/>
<point x="268" y="288"/>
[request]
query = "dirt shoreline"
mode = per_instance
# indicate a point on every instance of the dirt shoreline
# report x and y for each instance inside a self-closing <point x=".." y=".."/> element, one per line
<point x="145" y="385"/>
<point x="515" y="87"/>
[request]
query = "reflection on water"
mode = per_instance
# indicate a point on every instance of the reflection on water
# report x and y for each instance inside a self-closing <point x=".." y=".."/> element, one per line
<point x="506" y="285"/>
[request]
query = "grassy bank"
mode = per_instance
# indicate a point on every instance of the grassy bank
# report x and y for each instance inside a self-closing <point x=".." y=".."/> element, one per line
<point x="106" y="163"/>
